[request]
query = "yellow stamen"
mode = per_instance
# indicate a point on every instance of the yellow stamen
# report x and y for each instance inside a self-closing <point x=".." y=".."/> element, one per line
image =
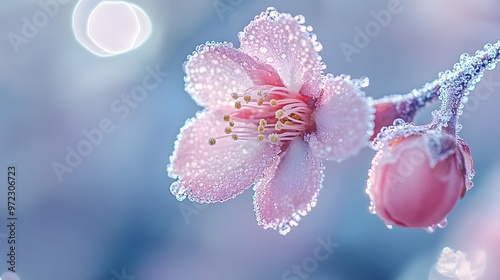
<point x="273" y="102"/>
<point x="295" y="116"/>
<point x="247" y="98"/>
<point x="235" y="137"/>
<point x="234" y="95"/>
<point x="274" y="138"/>
<point x="237" y="105"/>
<point x="211" y="141"/>
<point x="279" y="114"/>
<point x="227" y="118"/>
<point x="262" y="122"/>
<point x="260" y="102"/>
<point x="277" y="126"/>
<point x="231" y="123"/>
<point x="260" y="129"/>
<point x="228" y="130"/>
<point x="260" y="137"/>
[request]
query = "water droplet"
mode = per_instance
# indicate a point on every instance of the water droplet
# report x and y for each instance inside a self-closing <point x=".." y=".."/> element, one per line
<point x="263" y="50"/>
<point x="389" y="226"/>
<point x="300" y="19"/>
<point x="464" y="58"/>
<point x="372" y="209"/>
<point x="318" y="46"/>
<point x="469" y="185"/>
<point x="180" y="194"/>
<point x="398" y="122"/>
<point x="272" y="14"/>
<point x="364" y="81"/>
<point x="345" y="77"/>
<point x="284" y="229"/>
<point x="302" y="212"/>
<point x="174" y="188"/>
<point x="283" y="55"/>
<point x="431" y="229"/>
<point x="443" y="223"/>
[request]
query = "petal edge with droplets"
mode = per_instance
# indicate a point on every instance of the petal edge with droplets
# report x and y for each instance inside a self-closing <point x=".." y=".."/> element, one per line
<point x="344" y="120"/>
<point x="214" y="173"/>
<point x="216" y="70"/>
<point x="289" y="188"/>
<point x="283" y="42"/>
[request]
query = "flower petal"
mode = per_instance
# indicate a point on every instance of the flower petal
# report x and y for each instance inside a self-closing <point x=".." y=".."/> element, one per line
<point x="215" y="70"/>
<point x="284" y="43"/>
<point x="344" y="120"/>
<point x="214" y="173"/>
<point x="289" y="188"/>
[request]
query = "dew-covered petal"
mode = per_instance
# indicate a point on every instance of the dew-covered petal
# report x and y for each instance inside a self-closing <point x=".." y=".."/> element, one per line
<point x="214" y="173"/>
<point x="216" y="70"/>
<point x="284" y="43"/>
<point x="289" y="188"/>
<point x="344" y="120"/>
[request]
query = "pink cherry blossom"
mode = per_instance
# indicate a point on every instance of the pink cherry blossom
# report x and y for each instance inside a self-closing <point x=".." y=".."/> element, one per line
<point x="270" y="118"/>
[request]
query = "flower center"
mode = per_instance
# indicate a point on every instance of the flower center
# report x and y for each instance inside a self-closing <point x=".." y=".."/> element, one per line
<point x="267" y="113"/>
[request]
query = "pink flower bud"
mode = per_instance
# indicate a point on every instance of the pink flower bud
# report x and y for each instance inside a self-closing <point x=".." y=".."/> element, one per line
<point x="416" y="180"/>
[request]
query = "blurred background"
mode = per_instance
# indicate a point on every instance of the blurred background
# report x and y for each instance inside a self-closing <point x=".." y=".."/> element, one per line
<point x="111" y="216"/>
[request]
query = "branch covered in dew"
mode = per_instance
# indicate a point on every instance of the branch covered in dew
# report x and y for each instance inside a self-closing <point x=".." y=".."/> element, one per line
<point x="468" y="71"/>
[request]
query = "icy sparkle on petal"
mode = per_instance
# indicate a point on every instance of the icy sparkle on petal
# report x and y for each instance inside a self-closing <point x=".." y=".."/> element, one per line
<point x="294" y="51"/>
<point x="289" y="189"/>
<point x="215" y="173"/>
<point x="343" y="102"/>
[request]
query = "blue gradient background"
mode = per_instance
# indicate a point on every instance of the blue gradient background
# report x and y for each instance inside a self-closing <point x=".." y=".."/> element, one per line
<point x="115" y="210"/>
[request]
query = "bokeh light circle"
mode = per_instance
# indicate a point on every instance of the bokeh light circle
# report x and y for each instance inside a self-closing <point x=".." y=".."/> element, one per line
<point x="109" y="28"/>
